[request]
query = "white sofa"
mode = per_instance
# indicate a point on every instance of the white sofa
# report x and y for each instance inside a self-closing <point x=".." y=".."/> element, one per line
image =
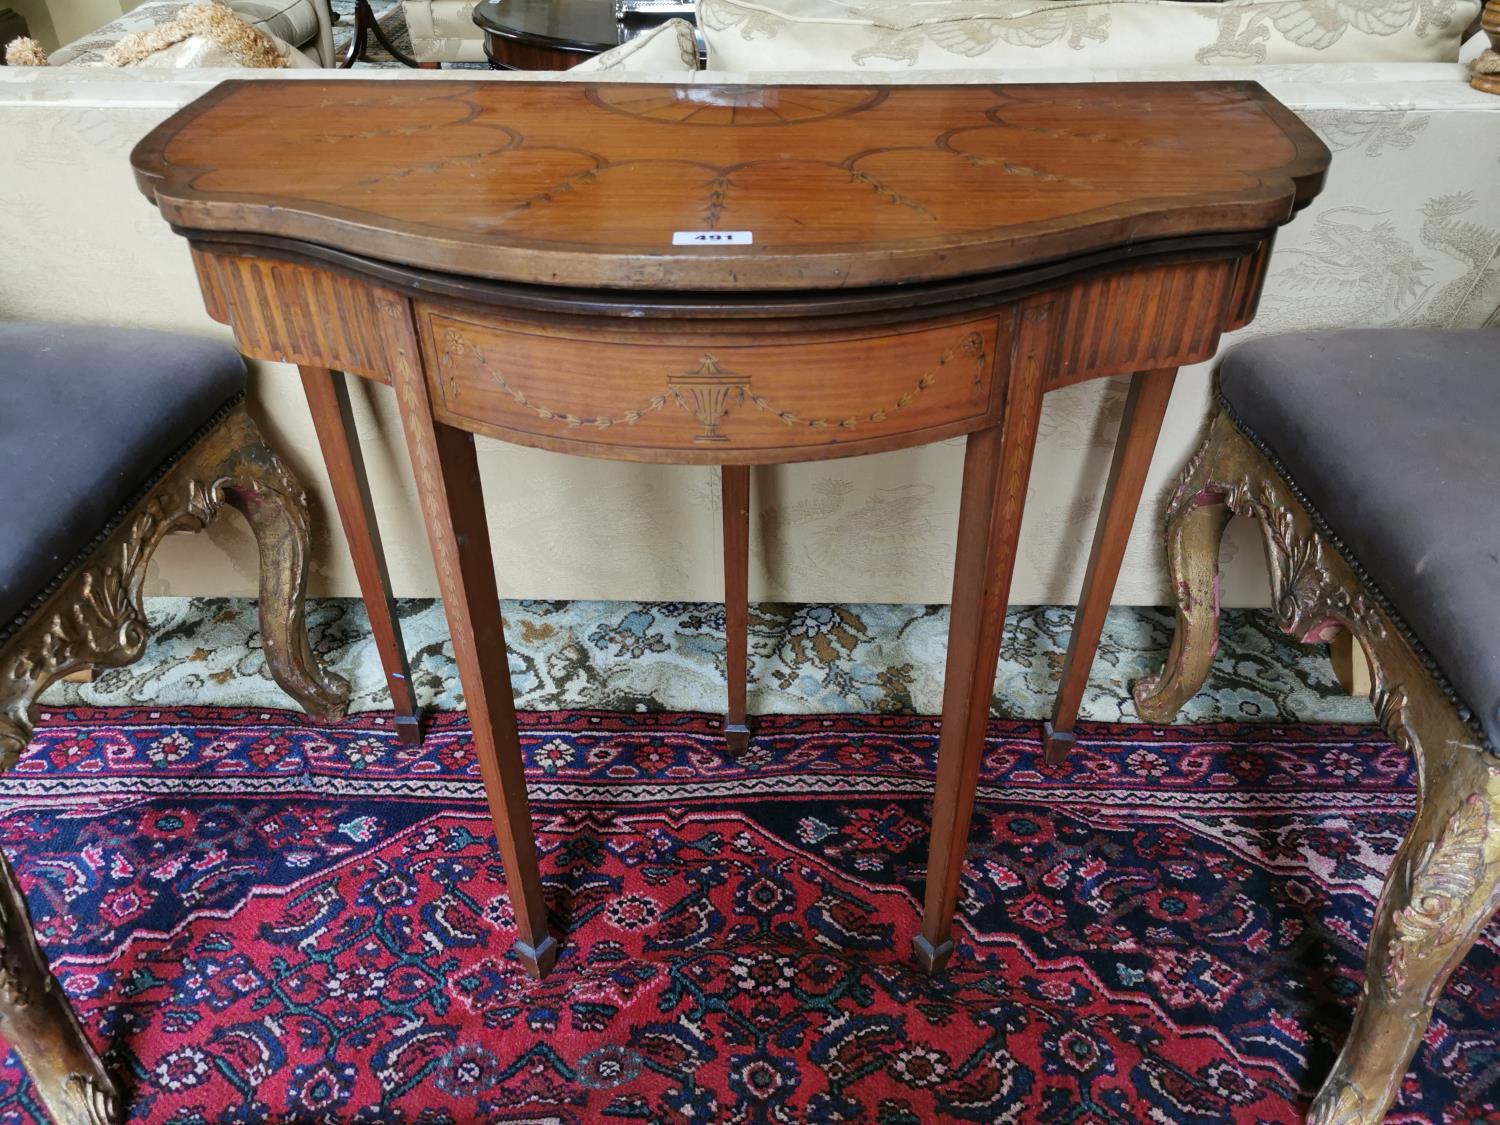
<point x="305" y="25"/>
<point x="1406" y="232"/>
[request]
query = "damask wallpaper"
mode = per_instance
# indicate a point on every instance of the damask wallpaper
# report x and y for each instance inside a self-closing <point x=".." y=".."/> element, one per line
<point x="1406" y="232"/>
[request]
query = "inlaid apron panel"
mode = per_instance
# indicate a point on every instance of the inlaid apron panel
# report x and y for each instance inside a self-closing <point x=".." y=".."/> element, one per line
<point x="643" y="392"/>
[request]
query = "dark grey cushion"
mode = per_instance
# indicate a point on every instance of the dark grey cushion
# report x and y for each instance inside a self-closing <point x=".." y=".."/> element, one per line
<point x="87" y="416"/>
<point x="1392" y="437"/>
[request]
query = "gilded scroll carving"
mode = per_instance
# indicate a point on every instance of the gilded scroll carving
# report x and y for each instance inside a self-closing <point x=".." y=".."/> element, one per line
<point x="103" y="617"/>
<point x="96" y="1105"/>
<point x="1440" y="883"/>
<point x="17" y="972"/>
<point x="98" y="622"/>
<point x="1338" y="1104"/>
<point x="1189" y="485"/>
<point x="36" y="1018"/>
<point x="1393" y="712"/>
<point x="96" y="619"/>
<point x="1311" y="604"/>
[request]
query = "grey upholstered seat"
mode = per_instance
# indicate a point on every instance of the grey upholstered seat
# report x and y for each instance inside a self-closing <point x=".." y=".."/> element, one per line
<point x="1393" y="438"/>
<point x="87" y="418"/>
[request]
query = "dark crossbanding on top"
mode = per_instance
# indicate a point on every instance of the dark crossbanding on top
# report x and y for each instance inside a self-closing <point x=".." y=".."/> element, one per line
<point x="576" y="185"/>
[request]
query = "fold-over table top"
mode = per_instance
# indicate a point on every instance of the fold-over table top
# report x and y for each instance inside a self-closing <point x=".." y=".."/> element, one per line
<point x="701" y="187"/>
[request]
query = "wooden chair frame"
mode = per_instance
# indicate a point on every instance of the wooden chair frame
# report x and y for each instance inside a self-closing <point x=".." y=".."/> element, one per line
<point x="1484" y="71"/>
<point x="93" y="618"/>
<point x="1442" y="886"/>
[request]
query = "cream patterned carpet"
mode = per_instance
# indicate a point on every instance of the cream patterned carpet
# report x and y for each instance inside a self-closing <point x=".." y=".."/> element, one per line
<point x="805" y="659"/>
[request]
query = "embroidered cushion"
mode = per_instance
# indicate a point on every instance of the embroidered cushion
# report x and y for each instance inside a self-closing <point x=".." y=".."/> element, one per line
<point x="444" y="30"/>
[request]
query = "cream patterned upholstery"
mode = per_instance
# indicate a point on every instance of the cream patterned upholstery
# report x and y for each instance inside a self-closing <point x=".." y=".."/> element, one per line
<point x="669" y="49"/>
<point x="444" y="30"/>
<point x="794" y="35"/>
<point x="305" y="24"/>
<point x="791" y="35"/>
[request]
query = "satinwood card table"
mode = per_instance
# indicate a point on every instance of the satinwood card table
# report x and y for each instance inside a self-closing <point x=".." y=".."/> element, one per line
<point x="730" y="276"/>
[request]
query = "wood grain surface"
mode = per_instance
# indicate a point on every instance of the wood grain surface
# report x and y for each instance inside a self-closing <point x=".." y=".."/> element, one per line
<point x="717" y="398"/>
<point x="586" y="185"/>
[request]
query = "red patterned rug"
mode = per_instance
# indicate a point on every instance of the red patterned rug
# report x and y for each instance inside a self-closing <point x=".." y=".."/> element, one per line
<point x="262" y="920"/>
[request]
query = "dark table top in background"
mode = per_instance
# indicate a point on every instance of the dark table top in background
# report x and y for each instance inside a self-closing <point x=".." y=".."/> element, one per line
<point x="588" y="26"/>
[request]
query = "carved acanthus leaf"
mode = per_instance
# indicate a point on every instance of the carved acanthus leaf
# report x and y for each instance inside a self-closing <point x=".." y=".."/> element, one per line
<point x="103" y="617"/>
<point x="96" y="617"/>
<point x="202" y="502"/>
<point x="1440" y="883"/>
<point x="1200" y="483"/>
<point x="1188" y="485"/>
<point x="1392" y="712"/>
<point x="1338" y="1104"/>
<point x="13" y="991"/>
<point x="1310" y="601"/>
<point x="17" y="971"/>
<point x="99" y="1106"/>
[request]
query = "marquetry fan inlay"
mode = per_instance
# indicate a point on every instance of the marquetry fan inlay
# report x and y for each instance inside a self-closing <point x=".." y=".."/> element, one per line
<point x="740" y="106"/>
<point x="586" y="185"/>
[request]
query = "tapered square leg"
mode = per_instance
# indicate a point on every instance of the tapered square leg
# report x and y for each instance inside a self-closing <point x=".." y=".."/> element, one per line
<point x="1145" y="407"/>
<point x="930" y="960"/>
<point x="328" y="399"/>
<point x="735" y="495"/>
<point x="447" y="474"/>
<point x="997" y="467"/>
<point x="539" y="959"/>
<point x="1058" y="744"/>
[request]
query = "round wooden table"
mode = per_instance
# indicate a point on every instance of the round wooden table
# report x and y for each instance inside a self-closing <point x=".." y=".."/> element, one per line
<point x="731" y="276"/>
<point x="550" y="34"/>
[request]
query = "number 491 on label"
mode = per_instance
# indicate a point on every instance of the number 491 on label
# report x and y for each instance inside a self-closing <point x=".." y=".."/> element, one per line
<point x="712" y="238"/>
